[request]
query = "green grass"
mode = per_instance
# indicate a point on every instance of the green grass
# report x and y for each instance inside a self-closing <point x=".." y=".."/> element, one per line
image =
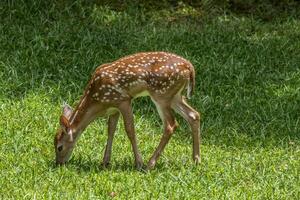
<point x="247" y="90"/>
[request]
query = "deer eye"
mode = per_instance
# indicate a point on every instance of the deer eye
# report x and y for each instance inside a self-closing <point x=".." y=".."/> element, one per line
<point x="60" y="148"/>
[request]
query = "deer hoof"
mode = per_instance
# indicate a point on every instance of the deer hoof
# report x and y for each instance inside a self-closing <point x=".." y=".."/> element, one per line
<point x="197" y="159"/>
<point x="151" y="164"/>
<point x="105" y="164"/>
<point x="139" y="165"/>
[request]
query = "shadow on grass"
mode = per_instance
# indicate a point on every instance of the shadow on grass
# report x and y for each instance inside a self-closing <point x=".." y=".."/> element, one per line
<point x="125" y="165"/>
<point x="236" y="62"/>
<point x="51" y="51"/>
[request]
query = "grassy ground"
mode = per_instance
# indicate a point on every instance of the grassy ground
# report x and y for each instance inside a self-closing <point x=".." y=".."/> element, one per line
<point x="248" y="82"/>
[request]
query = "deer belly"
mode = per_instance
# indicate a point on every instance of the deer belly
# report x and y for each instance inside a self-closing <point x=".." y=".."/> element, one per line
<point x="111" y="111"/>
<point x="141" y="94"/>
<point x="138" y="90"/>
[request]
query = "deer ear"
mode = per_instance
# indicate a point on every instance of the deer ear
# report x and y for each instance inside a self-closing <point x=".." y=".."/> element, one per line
<point x="67" y="111"/>
<point x="64" y="123"/>
<point x="70" y="133"/>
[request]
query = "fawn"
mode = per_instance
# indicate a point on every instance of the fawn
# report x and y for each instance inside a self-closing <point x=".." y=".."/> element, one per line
<point x="161" y="75"/>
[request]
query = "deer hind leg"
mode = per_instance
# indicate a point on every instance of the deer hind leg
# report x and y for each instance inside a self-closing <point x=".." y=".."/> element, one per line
<point x="126" y="111"/>
<point x="169" y="122"/>
<point x="112" y="125"/>
<point x="193" y="118"/>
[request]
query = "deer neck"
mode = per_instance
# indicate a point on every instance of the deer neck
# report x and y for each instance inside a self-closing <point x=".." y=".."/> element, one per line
<point x="82" y="116"/>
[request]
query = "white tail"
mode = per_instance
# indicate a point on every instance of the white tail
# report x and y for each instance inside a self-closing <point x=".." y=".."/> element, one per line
<point x="162" y="76"/>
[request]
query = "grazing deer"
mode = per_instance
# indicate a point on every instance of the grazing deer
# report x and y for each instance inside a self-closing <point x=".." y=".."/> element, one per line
<point x="162" y="76"/>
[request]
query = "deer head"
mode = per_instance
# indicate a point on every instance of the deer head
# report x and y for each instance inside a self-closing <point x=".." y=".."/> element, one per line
<point x="63" y="141"/>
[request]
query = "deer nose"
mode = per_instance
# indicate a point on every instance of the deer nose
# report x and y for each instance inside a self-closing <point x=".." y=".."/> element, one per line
<point x="58" y="162"/>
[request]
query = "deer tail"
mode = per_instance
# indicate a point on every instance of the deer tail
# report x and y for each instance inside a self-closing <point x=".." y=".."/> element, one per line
<point x="191" y="82"/>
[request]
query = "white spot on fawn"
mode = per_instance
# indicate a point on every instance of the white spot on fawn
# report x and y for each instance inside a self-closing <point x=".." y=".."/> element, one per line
<point x="192" y="115"/>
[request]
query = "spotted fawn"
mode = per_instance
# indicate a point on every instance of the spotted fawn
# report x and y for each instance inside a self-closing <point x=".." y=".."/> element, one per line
<point x="161" y="75"/>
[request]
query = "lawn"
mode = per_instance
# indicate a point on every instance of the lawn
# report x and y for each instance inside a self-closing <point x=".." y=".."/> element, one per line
<point x="247" y="91"/>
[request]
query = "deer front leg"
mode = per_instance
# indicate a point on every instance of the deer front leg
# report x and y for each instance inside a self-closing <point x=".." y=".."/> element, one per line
<point x="170" y="125"/>
<point x="126" y="111"/>
<point x="112" y="125"/>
